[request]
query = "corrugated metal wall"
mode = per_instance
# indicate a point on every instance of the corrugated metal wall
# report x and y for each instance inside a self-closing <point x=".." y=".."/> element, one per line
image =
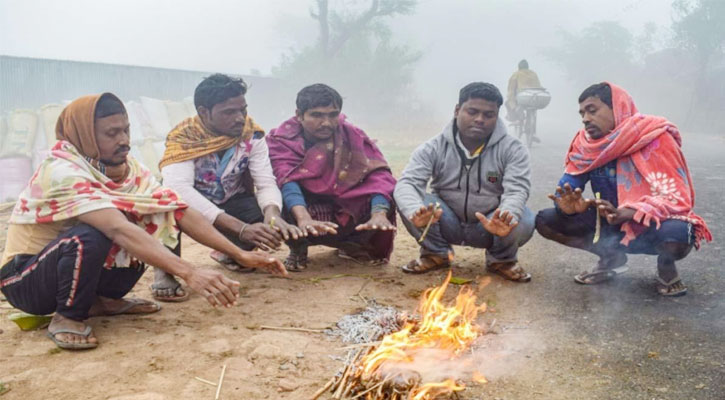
<point x="31" y="83"/>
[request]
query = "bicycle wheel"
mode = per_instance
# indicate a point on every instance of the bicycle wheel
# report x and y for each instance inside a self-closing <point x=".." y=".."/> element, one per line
<point x="530" y="127"/>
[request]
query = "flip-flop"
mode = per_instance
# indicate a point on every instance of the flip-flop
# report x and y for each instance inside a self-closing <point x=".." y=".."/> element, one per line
<point x="131" y="303"/>
<point x="505" y="272"/>
<point x="365" y="259"/>
<point x="599" y="276"/>
<point x="170" y="299"/>
<point x="663" y="288"/>
<point x="416" y="267"/>
<point x="295" y="263"/>
<point x="72" y="346"/>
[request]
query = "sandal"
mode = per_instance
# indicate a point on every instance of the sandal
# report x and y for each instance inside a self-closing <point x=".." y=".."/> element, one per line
<point x="131" y="304"/>
<point x="295" y="263"/>
<point x="72" y="346"/>
<point x="176" y="298"/>
<point x="362" y="258"/>
<point x="599" y="275"/>
<point x="228" y="263"/>
<point x="426" y="263"/>
<point x="671" y="288"/>
<point x="510" y="271"/>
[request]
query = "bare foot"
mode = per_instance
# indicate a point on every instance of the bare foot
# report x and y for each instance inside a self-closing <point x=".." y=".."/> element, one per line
<point x="60" y="322"/>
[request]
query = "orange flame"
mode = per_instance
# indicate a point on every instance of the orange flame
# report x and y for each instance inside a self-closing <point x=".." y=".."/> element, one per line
<point x="443" y="334"/>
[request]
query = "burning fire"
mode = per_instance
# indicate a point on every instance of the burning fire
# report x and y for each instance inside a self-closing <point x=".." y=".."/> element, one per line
<point x="443" y="333"/>
<point x="424" y="360"/>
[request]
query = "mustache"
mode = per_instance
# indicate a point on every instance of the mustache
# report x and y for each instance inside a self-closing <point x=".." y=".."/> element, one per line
<point x="122" y="149"/>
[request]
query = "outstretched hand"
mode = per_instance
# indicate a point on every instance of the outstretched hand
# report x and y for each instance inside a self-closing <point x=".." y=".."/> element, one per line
<point x="317" y="228"/>
<point x="261" y="260"/>
<point x="216" y="288"/>
<point x="612" y="214"/>
<point x="421" y="216"/>
<point x="500" y="224"/>
<point x="570" y="201"/>
<point x="288" y="231"/>
<point x="378" y="221"/>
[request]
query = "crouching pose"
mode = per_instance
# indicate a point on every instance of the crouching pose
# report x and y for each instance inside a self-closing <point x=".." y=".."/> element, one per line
<point x="336" y="185"/>
<point x="215" y="161"/>
<point x="645" y="195"/>
<point x="479" y="177"/>
<point x="89" y="221"/>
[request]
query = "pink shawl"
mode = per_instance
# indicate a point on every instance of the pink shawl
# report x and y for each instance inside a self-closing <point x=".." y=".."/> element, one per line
<point x="652" y="174"/>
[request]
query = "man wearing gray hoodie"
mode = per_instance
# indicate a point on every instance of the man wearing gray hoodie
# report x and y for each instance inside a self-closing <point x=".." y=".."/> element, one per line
<point x="479" y="178"/>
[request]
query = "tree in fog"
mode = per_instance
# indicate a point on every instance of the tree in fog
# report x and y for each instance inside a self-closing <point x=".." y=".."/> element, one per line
<point x="699" y="28"/>
<point x="600" y="51"/>
<point x="355" y="53"/>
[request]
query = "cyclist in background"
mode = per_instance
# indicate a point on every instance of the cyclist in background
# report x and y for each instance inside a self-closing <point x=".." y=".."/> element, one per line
<point x="522" y="79"/>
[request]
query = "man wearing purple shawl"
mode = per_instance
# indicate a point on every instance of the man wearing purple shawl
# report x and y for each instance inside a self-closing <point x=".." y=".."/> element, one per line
<point x="336" y="185"/>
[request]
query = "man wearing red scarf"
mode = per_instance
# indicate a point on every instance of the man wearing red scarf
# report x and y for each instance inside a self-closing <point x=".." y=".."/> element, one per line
<point x="643" y="189"/>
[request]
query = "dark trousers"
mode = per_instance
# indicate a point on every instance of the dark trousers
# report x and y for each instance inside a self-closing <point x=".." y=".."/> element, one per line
<point x="244" y="207"/>
<point x="67" y="276"/>
<point x="347" y="239"/>
<point x="578" y="231"/>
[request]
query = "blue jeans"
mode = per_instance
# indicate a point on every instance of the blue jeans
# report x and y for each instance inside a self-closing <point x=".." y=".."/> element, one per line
<point x="578" y="231"/>
<point x="449" y="231"/>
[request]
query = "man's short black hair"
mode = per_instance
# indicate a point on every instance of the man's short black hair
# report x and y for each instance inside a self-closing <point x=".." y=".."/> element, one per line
<point x="108" y="105"/>
<point x="523" y="64"/>
<point x="600" y="90"/>
<point x="317" y="95"/>
<point x="480" y="90"/>
<point x="216" y="89"/>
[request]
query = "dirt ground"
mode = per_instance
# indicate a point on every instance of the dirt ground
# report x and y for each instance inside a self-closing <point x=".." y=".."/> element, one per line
<point x="553" y="339"/>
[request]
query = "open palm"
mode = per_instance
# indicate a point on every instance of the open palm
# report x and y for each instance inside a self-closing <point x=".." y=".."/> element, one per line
<point x="500" y="224"/>
<point x="570" y="201"/>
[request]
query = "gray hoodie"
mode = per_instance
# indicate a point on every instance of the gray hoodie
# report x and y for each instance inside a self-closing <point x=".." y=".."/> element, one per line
<point x="498" y="177"/>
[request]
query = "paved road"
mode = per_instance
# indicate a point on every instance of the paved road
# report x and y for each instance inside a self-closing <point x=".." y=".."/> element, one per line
<point x="619" y="340"/>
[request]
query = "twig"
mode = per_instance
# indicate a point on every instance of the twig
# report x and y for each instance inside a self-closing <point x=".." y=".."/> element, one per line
<point x="369" y="390"/>
<point x="598" y="226"/>
<point x="355" y="346"/>
<point x="290" y="328"/>
<point x="323" y="389"/>
<point x="341" y="383"/>
<point x="430" y="221"/>
<point x="205" y="381"/>
<point x="221" y="380"/>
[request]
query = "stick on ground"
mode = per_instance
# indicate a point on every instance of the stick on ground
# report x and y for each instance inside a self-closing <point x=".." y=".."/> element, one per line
<point x="290" y="328"/>
<point x="221" y="380"/>
<point x="202" y="380"/>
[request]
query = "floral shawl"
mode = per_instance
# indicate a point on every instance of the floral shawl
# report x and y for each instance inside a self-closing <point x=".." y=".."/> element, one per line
<point x="652" y="174"/>
<point x="67" y="185"/>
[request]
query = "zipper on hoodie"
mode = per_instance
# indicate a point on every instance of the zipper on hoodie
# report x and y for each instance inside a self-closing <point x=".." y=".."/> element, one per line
<point x="465" y="201"/>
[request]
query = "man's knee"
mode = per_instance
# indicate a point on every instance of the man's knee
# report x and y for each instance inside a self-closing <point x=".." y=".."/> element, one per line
<point x="544" y="221"/>
<point x="92" y="239"/>
<point x="525" y="229"/>
<point x="674" y="239"/>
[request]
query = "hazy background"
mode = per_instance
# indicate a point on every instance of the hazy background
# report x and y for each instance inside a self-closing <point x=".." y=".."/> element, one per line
<point x="402" y="70"/>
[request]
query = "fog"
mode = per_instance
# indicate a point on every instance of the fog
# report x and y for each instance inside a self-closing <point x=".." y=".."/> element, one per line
<point x="455" y="42"/>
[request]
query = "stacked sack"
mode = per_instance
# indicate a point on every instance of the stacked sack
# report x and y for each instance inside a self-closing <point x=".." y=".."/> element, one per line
<point x="26" y="136"/>
<point x="17" y="138"/>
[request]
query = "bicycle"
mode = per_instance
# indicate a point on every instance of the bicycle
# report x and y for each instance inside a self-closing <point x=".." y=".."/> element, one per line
<point x="529" y="101"/>
<point x="526" y="126"/>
